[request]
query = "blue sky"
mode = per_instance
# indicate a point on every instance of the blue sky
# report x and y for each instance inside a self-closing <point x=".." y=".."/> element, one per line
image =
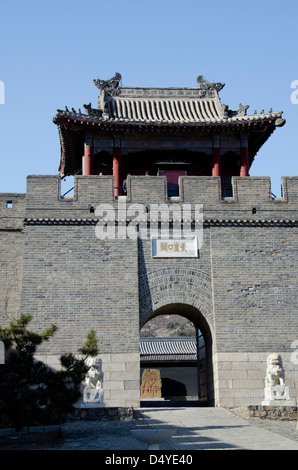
<point x="50" y="52"/>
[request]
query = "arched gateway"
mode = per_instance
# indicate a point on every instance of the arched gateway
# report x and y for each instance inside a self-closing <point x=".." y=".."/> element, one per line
<point x="174" y="285"/>
<point x="185" y="292"/>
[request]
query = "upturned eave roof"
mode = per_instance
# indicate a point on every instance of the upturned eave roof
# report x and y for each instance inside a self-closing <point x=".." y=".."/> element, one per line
<point x="146" y="109"/>
<point x="172" y="106"/>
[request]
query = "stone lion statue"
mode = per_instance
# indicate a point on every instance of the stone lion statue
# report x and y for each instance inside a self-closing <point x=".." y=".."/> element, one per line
<point x="275" y="374"/>
<point x="276" y="392"/>
<point x="93" y="392"/>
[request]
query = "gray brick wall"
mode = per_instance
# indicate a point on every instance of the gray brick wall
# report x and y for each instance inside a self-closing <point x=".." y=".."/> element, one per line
<point x="241" y="290"/>
<point x="244" y="276"/>
<point x="12" y="212"/>
<point x="79" y="283"/>
<point x="255" y="287"/>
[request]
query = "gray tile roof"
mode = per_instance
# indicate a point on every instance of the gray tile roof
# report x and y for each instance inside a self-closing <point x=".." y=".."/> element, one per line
<point x="171" y="110"/>
<point x="170" y="106"/>
<point x="166" y="349"/>
<point x="177" y="110"/>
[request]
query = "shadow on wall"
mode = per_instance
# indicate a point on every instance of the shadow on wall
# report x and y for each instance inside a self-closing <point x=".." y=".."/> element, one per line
<point x="173" y="388"/>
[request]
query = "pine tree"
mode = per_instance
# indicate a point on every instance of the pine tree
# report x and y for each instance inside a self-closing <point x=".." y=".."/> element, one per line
<point x="31" y="393"/>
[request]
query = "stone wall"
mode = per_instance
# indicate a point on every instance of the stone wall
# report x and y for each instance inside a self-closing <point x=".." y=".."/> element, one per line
<point x="104" y="414"/>
<point x="283" y="413"/>
<point x="241" y="291"/>
<point x="77" y="282"/>
<point x="120" y="376"/>
<point x="12" y="212"/>
<point x="240" y="377"/>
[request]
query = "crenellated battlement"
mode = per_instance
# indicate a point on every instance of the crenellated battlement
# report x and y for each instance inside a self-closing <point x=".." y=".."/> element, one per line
<point x="251" y="197"/>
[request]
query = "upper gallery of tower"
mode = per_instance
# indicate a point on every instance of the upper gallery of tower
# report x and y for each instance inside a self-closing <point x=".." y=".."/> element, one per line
<point x="167" y="131"/>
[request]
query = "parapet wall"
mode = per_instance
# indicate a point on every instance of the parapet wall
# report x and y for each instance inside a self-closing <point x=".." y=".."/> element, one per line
<point x="251" y="196"/>
<point x="12" y="211"/>
<point x="251" y="200"/>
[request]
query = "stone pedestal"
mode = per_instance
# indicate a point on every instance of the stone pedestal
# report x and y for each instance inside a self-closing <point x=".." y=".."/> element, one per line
<point x="91" y="405"/>
<point x="278" y="396"/>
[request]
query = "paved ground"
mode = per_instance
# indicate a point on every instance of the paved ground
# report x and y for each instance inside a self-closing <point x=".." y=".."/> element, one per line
<point x="196" y="428"/>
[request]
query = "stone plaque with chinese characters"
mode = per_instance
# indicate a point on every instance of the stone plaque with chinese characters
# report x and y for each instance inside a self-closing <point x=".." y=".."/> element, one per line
<point x="175" y="248"/>
<point x="151" y="384"/>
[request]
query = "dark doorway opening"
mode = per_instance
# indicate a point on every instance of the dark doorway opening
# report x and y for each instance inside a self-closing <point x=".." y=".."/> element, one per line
<point x="179" y="352"/>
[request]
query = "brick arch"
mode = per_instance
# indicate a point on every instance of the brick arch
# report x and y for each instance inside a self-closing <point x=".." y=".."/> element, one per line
<point x="175" y="286"/>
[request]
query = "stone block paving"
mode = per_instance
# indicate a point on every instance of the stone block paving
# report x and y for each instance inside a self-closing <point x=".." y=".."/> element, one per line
<point x="196" y="429"/>
<point x="218" y="428"/>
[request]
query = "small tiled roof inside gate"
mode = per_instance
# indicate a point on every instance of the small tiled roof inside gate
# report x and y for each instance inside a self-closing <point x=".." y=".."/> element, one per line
<point x="166" y="349"/>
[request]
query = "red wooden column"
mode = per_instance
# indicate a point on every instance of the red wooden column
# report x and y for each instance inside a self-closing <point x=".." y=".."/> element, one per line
<point x="216" y="158"/>
<point x="117" y="157"/>
<point x="244" y="161"/>
<point x="88" y="160"/>
<point x="88" y="156"/>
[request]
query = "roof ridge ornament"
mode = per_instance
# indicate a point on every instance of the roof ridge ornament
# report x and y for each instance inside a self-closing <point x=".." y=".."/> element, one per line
<point x="110" y="85"/>
<point x="107" y="88"/>
<point x="206" y="86"/>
